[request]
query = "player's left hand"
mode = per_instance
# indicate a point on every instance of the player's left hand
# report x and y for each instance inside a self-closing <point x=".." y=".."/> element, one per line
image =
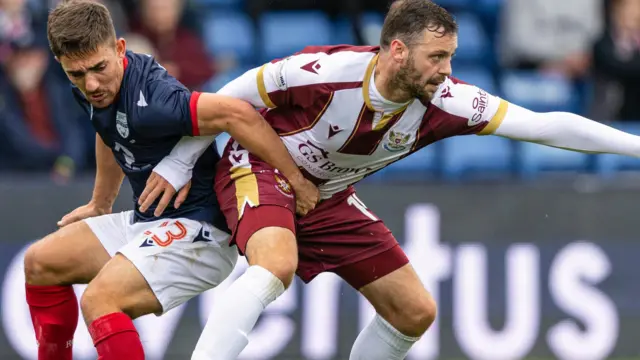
<point x="307" y="195"/>
<point x="156" y="186"/>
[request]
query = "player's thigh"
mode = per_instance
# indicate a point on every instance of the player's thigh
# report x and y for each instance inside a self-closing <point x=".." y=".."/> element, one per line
<point x="73" y="254"/>
<point x="340" y="232"/>
<point x="259" y="206"/>
<point x="267" y="233"/>
<point x="119" y="286"/>
<point x="344" y="237"/>
<point x="177" y="259"/>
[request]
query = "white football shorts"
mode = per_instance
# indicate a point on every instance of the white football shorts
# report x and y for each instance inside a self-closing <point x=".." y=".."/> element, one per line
<point x="179" y="258"/>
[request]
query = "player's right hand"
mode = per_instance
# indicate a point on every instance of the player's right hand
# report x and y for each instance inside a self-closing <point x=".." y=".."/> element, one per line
<point x="156" y="186"/>
<point x="81" y="213"/>
<point x="307" y="196"/>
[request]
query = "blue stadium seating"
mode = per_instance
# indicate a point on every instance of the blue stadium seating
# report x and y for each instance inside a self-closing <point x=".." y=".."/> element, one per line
<point x="453" y="4"/>
<point x="372" y="18"/>
<point x="219" y="3"/>
<point x="477" y="76"/>
<point x="221" y="79"/>
<point x="476" y="156"/>
<point x="342" y="32"/>
<point x="287" y="32"/>
<point x="608" y="165"/>
<point x="230" y="33"/>
<point x="539" y="92"/>
<point x="371" y="27"/>
<point x="473" y="43"/>
<point x="489" y="6"/>
<point x="535" y="160"/>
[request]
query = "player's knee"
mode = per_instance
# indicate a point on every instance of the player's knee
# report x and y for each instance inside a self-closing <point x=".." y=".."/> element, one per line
<point x="417" y="318"/>
<point x="37" y="270"/>
<point x="97" y="300"/>
<point x="274" y="249"/>
<point x="106" y="295"/>
<point x="283" y="269"/>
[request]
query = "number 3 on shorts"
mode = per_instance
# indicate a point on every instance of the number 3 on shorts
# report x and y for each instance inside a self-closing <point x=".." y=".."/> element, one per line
<point x="353" y="200"/>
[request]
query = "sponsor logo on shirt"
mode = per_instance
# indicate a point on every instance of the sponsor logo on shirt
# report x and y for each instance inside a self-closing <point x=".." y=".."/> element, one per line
<point x="316" y="160"/>
<point x="479" y="104"/>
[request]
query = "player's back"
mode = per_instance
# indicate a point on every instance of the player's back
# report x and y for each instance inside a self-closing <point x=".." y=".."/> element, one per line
<point x="152" y="113"/>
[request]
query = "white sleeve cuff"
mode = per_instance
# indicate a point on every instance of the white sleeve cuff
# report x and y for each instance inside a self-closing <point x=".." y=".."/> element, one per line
<point x="177" y="167"/>
<point x="174" y="171"/>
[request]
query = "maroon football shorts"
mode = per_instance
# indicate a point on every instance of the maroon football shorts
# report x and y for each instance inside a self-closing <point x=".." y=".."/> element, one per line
<point x="340" y="235"/>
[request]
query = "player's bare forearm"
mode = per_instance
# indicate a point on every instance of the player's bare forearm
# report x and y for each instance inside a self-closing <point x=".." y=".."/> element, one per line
<point x="568" y="131"/>
<point x="109" y="177"/>
<point x="217" y="113"/>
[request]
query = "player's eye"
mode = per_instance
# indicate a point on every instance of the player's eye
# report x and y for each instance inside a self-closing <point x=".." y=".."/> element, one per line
<point x="438" y="57"/>
<point x="100" y="68"/>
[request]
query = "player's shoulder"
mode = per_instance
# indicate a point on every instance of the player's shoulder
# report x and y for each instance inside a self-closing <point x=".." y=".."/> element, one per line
<point x="459" y="98"/>
<point x="145" y="73"/>
<point x="324" y="64"/>
<point x="152" y="93"/>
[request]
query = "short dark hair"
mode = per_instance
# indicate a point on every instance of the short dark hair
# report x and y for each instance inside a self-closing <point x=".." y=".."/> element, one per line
<point x="407" y="19"/>
<point x="79" y="27"/>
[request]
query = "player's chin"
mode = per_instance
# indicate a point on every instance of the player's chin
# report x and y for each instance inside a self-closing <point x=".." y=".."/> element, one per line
<point x="101" y="102"/>
<point x="427" y="94"/>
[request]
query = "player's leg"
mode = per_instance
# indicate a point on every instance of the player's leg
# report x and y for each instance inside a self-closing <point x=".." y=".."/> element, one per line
<point x="165" y="263"/>
<point x="266" y="235"/>
<point x="117" y="295"/>
<point x="72" y="255"/>
<point x="357" y="246"/>
<point x="404" y="311"/>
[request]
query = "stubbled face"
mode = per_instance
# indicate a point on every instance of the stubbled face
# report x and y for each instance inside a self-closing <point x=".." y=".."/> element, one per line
<point x="424" y="64"/>
<point x="99" y="74"/>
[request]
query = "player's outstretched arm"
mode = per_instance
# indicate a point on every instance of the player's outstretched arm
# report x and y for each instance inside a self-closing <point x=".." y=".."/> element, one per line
<point x="109" y="177"/>
<point x="566" y="130"/>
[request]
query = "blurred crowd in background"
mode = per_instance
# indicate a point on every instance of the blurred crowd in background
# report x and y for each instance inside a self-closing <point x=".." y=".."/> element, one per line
<point x="581" y="56"/>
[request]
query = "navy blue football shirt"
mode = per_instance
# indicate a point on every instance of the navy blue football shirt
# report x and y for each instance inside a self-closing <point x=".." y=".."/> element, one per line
<point x="152" y="112"/>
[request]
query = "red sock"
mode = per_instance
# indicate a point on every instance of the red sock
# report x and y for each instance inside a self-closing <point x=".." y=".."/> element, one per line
<point x="54" y="313"/>
<point x="115" y="338"/>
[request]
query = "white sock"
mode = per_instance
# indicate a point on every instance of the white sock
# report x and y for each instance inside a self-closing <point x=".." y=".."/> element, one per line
<point x="381" y="341"/>
<point x="236" y="313"/>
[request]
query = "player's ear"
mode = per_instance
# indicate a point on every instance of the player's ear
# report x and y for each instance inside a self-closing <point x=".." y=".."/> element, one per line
<point x="398" y="49"/>
<point x="121" y="47"/>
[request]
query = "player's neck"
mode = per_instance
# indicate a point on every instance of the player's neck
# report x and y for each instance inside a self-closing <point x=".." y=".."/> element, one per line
<point x="383" y="81"/>
<point x="120" y="78"/>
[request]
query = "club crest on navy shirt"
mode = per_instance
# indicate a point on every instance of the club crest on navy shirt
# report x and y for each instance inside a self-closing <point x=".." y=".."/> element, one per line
<point x="121" y="124"/>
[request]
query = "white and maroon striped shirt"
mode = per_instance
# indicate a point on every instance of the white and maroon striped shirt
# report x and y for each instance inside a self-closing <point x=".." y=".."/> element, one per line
<point x="323" y="103"/>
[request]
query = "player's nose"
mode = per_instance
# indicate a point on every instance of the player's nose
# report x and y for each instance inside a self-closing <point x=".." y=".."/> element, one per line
<point x="91" y="83"/>
<point x="445" y="69"/>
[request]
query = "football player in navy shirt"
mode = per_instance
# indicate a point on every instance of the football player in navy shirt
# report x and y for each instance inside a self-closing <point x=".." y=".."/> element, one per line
<point x="135" y="262"/>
